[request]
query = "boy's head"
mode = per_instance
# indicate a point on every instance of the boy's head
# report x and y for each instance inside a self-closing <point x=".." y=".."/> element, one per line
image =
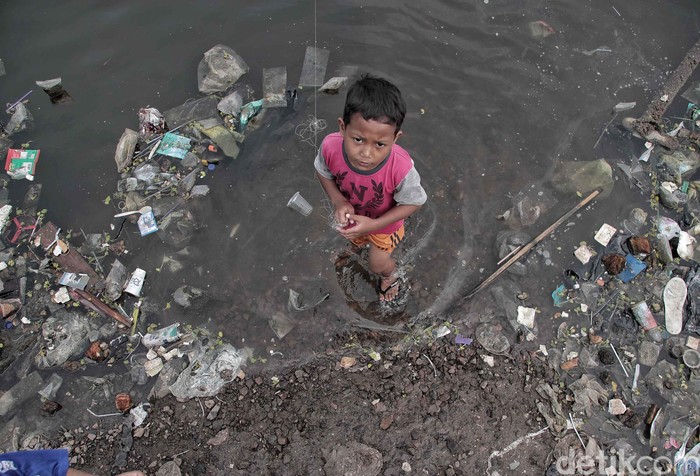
<point x="375" y="99"/>
<point x="371" y="122"/>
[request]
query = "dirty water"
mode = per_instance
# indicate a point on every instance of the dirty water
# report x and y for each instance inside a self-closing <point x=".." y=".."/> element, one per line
<point x="491" y="111"/>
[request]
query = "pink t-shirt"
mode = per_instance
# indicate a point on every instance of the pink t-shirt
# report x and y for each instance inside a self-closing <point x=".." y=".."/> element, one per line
<point x="370" y="192"/>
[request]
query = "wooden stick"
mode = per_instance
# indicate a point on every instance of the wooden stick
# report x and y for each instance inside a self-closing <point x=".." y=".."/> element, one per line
<point x="530" y="245"/>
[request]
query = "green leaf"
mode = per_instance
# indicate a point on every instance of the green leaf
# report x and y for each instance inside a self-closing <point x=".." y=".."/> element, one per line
<point x="107" y="200"/>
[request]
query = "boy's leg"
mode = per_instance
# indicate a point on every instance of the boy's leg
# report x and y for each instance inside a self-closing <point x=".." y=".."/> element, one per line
<point x="382" y="264"/>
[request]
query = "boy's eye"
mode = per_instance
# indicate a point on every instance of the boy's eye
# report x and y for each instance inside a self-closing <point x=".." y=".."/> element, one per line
<point x="380" y="144"/>
<point x="357" y="139"/>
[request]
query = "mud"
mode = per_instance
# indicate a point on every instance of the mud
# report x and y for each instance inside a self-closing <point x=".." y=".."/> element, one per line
<point x="431" y="409"/>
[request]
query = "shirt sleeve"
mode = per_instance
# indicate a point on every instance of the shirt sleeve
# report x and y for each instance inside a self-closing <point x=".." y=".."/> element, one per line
<point x="410" y="191"/>
<point x="320" y="165"/>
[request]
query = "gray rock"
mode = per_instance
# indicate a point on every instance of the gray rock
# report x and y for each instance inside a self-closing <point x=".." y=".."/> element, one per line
<point x="169" y="469"/>
<point x="354" y="459"/>
<point x="648" y="353"/>
<point x="219" y="69"/>
<point x="199" y="191"/>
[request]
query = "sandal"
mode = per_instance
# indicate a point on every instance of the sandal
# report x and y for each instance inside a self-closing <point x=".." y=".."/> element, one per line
<point x="383" y="292"/>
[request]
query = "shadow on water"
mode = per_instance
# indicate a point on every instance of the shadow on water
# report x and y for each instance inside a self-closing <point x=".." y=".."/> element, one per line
<point x="491" y="110"/>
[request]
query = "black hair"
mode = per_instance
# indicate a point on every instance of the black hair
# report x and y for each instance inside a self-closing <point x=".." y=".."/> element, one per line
<point x="375" y="98"/>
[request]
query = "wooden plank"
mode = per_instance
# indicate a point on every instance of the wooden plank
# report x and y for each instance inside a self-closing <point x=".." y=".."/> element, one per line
<point x="522" y="251"/>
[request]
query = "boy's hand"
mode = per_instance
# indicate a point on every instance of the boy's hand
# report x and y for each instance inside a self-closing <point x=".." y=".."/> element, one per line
<point x="343" y="212"/>
<point x="362" y="226"/>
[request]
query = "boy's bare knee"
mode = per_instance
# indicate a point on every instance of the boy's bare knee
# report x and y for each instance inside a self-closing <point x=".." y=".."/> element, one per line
<point x="380" y="262"/>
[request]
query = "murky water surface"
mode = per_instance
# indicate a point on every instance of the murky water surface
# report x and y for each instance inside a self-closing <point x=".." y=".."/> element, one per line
<point x="491" y="111"/>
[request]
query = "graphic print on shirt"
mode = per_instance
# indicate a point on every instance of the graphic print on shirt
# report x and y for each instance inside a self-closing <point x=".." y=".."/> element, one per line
<point x="376" y="201"/>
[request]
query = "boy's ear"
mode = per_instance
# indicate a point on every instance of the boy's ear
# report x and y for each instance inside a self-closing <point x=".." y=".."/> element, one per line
<point x="341" y="125"/>
<point x="398" y="134"/>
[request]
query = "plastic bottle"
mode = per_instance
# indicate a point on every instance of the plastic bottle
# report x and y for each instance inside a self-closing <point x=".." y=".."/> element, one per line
<point x="645" y="318"/>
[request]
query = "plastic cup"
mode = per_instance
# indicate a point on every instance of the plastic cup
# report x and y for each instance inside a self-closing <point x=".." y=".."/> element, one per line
<point x="299" y="204"/>
<point x="136" y="283"/>
<point x="691" y="358"/>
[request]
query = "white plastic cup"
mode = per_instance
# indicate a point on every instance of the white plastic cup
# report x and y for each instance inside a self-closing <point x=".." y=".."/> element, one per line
<point x="299" y="204"/>
<point x="135" y="283"/>
<point x="691" y="358"/>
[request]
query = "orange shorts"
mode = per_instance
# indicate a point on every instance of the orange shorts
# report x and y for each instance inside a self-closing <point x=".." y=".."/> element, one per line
<point x="382" y="241"/>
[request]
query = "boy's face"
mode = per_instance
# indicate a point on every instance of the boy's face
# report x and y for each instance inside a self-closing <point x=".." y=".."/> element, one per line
<point x="367" y="143"/>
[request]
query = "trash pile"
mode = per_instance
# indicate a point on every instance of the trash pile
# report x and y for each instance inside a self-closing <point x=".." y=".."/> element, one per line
<point x="628" y="308"/>
<point x="67" y="300"/>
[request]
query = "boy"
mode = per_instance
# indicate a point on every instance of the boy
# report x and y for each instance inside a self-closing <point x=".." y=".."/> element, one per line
<point x="371" y="181"/>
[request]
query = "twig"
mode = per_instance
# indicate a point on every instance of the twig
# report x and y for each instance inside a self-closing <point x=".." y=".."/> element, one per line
<point x="614" y="295"/>
<point x="202" y="407"/>
<point x="618" y="359"/>
<point x="432" y="364"/>
<point x="181" y="453"/>
<point x="604" y="130"/>
<point x="571" y="418"/>
<point x="97" y="262"/>
<point x="618" y="13"/>
<point x="636" y="377"/>
<point x="105" y="415"/>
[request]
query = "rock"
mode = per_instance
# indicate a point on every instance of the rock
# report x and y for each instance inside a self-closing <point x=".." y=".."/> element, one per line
<point x="169" y="469"/>
<point x="219" y="439"/>
<point x="584" y="177"/>
<point x="214" y="412"/>
<point x="219" y="69"/>
<point x="139" y="432"/>
<point x="347" y="362"/>
<point x="125" y="149"/>
<point x="354" y="459"/>
<point x="386" y="422"/>
<point x="199" y="191"/>
<point x="648" y="353"/>
<point x="616" y="407"/>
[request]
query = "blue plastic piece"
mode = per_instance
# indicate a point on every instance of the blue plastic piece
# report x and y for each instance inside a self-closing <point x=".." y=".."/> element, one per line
<point x="560" y="296"/>
<point x="632" y="268"/>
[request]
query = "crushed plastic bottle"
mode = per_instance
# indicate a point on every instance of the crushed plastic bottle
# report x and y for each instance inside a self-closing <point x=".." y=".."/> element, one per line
<point x="164" y="336"/>
<point x="645" y="318"/>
